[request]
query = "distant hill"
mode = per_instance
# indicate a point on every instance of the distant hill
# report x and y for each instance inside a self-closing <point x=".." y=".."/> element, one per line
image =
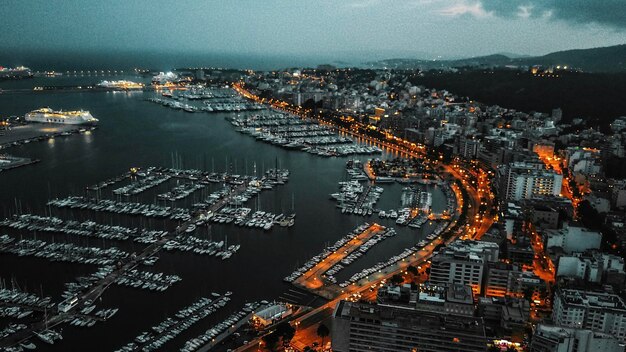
<point x="604" y="59"/>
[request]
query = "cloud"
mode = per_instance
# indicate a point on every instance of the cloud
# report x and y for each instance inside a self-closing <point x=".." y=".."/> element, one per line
<point x="464" y="8"/>
<point x="361" y="4"/>
<point x="611" y="13"/>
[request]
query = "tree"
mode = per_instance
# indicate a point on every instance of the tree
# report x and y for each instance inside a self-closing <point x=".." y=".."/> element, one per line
<point x="286" y="331"/>
<point x="271" y="340"/>
<point x="397" y="279"/>
<point x="411" y="269"/>
<point x="322" y="331"/>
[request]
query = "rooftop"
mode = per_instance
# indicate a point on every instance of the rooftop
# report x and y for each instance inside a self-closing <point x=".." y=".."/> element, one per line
<point x="590" y="299"/>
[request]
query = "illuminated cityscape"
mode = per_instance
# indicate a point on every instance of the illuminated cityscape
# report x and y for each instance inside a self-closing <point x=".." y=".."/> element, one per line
<point x="335" y="176"/>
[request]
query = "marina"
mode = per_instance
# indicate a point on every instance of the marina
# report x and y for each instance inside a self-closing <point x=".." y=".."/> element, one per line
<point x="216" y="334"/>
<point x="127" y="208"/>
<point x="229" y="193"/>
<point x="291" y="132"/>
<point x="166" y="330"/>
<point x="214" y="99"/>
<point x="141" y="185"/>
<point x="312" y="275"/>
<point x="88" y="228"/>
<point x="147" y="280"/>
<point x="64" y="252"/>
<point x="356" y="198"/>
<point x="343" y="251"/>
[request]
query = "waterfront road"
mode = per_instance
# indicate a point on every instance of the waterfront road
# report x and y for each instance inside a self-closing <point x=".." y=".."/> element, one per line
<point x="476" y="222"/>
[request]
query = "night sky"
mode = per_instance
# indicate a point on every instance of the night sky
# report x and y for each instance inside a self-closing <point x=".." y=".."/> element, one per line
<point x="340" y="28"/>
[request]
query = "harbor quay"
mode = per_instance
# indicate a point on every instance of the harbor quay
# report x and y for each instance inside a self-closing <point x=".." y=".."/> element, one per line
<point x="31" y="132"/>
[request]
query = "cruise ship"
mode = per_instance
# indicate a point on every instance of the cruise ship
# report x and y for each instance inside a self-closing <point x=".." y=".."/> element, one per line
<point x="121" y="84"/>
<point x="47" y="115"/>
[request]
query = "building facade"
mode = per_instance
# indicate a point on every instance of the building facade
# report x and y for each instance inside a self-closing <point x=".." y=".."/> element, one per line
<point x="559" y="339"/>
<point x="384" y="328"/>
<point x="596" y="311"/>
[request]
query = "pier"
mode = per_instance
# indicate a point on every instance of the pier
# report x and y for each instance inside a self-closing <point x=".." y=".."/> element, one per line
<point x="313" y="279"/>
<point x="33" y="132"/>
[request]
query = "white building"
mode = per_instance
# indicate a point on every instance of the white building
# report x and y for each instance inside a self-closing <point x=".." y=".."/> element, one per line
<point x="572" y="239"/>
<point x="589" y="268"/>
<point x="524" y="181"/>
<point x="463" y="262"/>
<point x="559" y="339"/>
<point x="583" y="160"/>
<point x="596" y="311"/>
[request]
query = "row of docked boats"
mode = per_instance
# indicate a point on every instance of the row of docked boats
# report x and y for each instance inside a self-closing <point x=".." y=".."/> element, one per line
<point x="83" y="283"/>
<point x="244" y="217"/>
<point x="15" y="312"/>
<point x="403" y="216"/>
<point x="325" y="253"/>
<point x="290" y="132"/>
<point x="65" y="252"/>
<point x="174" y="104"/>
<point x="181" y="191"/>
<point x="49" y="336"/>
<point x="141" y="184"/>
<point x="87" y="228"/>
<point x="202" y="92"/>
<point x="15" y="297"/>
<point x="127" y="208"/>
<point x="356" y="198"/>
<point x="230" y="106"/>
<point x="201" y="246"/>
<point x="231" y="323"/>
<point x="160" y="334"/>
<point x="147" y="280"/>
<point x="350" y="258"/>
<point x="84" y="320"/>
<point x="271" y="177"/>
<point x="106" y="183"/>
<point x="5" y="240"/>
<point x="11" y="329"/>
<point x="380" y="266"/>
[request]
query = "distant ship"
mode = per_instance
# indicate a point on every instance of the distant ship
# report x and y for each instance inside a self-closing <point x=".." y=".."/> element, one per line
<point x="15" y="73"/>
<point x="48" y="115"/>
<point x="122" y="84"/>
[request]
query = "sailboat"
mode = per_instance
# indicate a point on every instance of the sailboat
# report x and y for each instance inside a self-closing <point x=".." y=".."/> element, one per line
<point x="289" y="220"/>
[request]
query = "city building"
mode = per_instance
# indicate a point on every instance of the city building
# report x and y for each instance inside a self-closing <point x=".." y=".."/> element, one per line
<point x="503" y="280"/>
<point x="572" y="239"/>
<point x="521" y="180"/>
<point x="560" y="339"/>
<point x="596" y="311"/>
<point x="361" y="326"/>
<point x="454" y="299"/>
<point x="593" y="267"/>
<point x="545" y="217"/>
<point x="505" y="316"/>
<point x="463" y="262"/>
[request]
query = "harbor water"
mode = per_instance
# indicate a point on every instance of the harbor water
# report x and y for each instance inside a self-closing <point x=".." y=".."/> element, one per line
<point x="136" y="133"/>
